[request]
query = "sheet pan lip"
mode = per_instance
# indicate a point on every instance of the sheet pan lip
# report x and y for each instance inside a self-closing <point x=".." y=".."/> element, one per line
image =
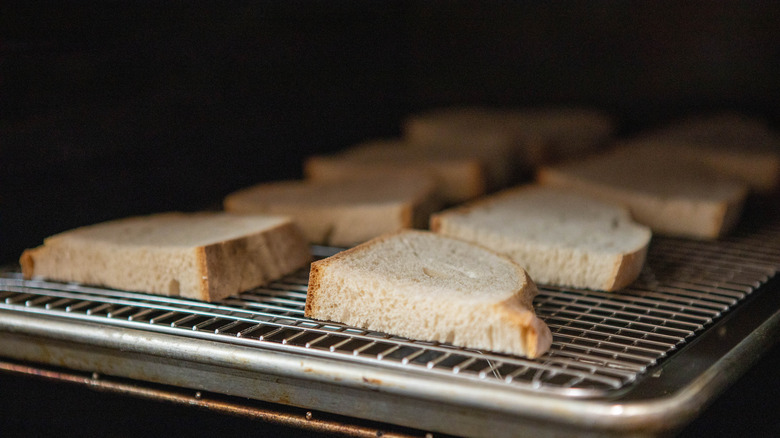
<point x="621" y="413"/>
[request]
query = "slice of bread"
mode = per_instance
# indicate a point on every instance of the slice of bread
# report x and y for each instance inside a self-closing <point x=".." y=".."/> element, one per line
<point x="534" y="136"/>
<point x="727" y="129"/>
<point x="205" y="256"/>
<point x="731" y="144"/>
<point x="458" y="178"/>
<point x="559" y="237"/>
<point x="557" y="134"/>
<point x="344" y="212"/>
<point x="468" y="132"/>
<point x="671" y="196"/>
<point x="430" y="287"/>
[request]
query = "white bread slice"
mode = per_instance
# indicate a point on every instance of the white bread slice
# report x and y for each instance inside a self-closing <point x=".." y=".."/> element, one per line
<point x="205" y="256"/>
<point x="672" y="197"/>
<point x="426" y="286"/>
<point x="458" y="178"/>
<point x="729" y="143"/>
<point x="559" y="237"/>
<point x="535" y="136"/>
<point x="343" y="213"/>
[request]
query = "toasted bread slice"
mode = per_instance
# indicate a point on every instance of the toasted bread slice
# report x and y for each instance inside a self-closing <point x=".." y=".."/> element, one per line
<point x="422" y="285"/>
<point x="458" y="177"/>
<point x="559" y="237"/>
<point x="672" y="196"/>
<point x="343" y="212"/>
<point x="205" y="256"/>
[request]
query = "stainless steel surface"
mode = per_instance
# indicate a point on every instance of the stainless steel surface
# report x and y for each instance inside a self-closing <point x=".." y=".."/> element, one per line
<point x="298" y="419"/>
<point x="608" y="370"/>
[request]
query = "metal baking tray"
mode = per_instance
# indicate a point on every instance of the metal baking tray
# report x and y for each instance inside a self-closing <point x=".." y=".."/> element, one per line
<point x="642" y="361"/>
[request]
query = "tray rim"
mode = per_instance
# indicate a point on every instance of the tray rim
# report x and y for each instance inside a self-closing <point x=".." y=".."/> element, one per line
<point x="647" y="407"/>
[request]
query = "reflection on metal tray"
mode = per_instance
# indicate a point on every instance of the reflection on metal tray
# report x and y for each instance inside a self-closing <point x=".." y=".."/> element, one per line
<point x="604" y="343"/>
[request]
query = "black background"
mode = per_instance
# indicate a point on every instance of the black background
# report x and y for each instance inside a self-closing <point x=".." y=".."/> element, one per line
<point x="109" y="109"/>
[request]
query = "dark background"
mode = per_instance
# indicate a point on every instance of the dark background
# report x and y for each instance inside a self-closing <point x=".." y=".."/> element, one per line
<point x="115" y="108"/>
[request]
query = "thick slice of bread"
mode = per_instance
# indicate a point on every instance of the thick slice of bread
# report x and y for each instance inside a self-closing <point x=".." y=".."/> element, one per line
<point x="559" y="237"/>
<point x="535" y="136"/>
<point x="729" y="143"/>
<point x="344" y="212"/>
<point x="205" y="256"/>
<point x="468" y="132"/>
<point x="426" y="286"/>
<point x="672" y="197"/>
<point x="458" y="178"/>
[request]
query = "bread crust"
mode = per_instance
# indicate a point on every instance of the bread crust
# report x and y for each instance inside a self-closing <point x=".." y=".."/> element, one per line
<point x="315" y="276"/>
<point x="27" y="261"/>
<point x="317" y="270"/>
<point x="627" y="269"/>
<point x="519" y="312"/>
<point x="201" y="261"/>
